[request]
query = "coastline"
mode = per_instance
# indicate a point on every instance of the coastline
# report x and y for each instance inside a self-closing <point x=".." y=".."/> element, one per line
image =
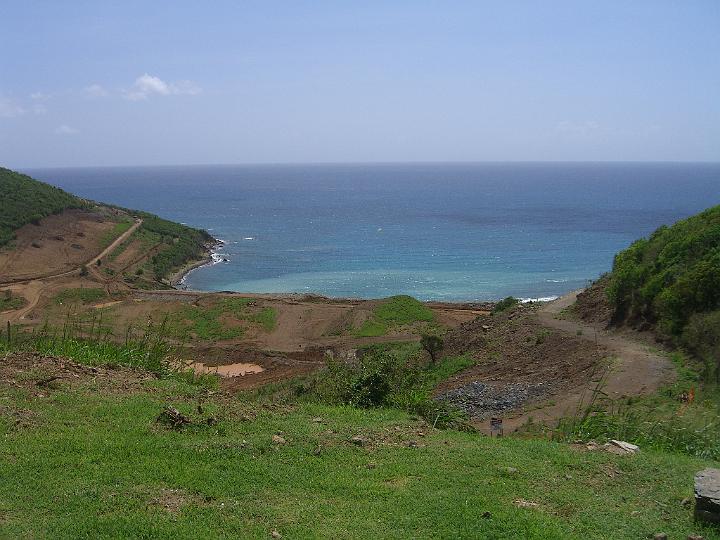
<point x="177" y="277"/>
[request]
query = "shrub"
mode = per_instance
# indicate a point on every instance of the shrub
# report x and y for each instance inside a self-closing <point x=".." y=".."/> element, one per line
<point x="432" y="344"/>
<point x="667" y="278"/>
<point x="701" y="337"/>
<point x="387" y="376"/>
<point x="505" y="304"/>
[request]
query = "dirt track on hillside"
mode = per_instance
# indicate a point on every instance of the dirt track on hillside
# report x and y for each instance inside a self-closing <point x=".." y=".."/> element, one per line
<point x="635" y="369"/>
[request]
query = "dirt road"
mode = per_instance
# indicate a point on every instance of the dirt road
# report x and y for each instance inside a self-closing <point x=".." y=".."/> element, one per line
<point x="634" y="369"/>
<point x="32" y="288"/>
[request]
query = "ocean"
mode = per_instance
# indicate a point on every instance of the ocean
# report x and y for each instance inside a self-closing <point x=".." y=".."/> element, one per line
<point x="451" y="232"/>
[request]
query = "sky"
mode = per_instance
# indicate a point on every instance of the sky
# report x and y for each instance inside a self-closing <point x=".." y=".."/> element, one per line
<point x="179" y="82"/>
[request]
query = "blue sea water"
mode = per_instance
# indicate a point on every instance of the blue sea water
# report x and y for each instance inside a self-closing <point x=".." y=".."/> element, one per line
<point x="435" y="231"/>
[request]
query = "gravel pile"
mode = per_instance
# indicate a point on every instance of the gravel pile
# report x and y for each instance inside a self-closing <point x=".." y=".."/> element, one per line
<point x="480" y="400"/>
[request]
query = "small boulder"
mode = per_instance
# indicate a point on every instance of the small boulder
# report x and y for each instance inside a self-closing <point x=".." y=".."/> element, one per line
<point x="707" y="496"/>
<point x="660" y="536"/>
<point x="357" y="440"/>
<point x="275" y="534"/>
<point x="277" y="439"/>
<point x="622" y="447"/>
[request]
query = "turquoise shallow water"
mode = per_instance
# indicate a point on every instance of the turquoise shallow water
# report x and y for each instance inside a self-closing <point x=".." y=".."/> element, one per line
<point x="435" y="231"/>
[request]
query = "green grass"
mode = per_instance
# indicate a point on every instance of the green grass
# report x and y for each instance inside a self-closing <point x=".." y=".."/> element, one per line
<point x="88" y="465"/>
<point x="11" y="302"/>
<point x="662" y="421"/>
<point x="110" y="236"/>
<point x="392" y="312"/>
<point x="210" y="322"/>
<point x="80" y="296"/>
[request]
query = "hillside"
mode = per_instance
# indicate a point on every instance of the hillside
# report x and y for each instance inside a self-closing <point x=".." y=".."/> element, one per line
<point x="669" y="283"/>
<point x="302" y="416"/>
<point x="25" y="200"/>
<point x="49" y="230"/>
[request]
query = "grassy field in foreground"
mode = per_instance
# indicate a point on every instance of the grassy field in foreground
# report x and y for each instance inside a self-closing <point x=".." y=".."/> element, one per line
<point x="84" y="464"/>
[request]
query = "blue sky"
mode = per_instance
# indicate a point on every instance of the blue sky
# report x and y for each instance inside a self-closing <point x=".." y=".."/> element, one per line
<point x="149" y="83"/>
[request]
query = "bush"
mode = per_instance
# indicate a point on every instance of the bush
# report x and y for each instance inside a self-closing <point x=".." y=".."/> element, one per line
<point x="667" y="278"/>
<point x="432" y="344"/>
<point x="505" y="304"/>
<point x="702" y="338"/>
<point x="387" y="376"/>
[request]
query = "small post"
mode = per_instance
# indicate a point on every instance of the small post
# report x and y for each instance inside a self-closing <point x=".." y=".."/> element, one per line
<point x="496" y="427"/>
<point x="9" y="339"/>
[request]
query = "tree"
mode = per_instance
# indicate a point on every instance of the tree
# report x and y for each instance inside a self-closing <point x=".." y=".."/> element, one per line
<point x="432" y="344"/>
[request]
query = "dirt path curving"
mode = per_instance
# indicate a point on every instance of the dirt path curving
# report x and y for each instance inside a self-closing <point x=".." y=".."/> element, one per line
<point x="32" y="288"/>
<point x="635" y="369"/>
<point x="119" y="240"/>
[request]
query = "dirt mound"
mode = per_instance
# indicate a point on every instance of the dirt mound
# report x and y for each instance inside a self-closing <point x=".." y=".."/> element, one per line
<point x="519" y="362"/>
<point x="592" y="304"/>
<point x="40" y="374"/>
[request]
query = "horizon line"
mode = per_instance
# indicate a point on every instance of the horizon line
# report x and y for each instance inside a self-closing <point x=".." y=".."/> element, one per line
<point x="371" y="163"/>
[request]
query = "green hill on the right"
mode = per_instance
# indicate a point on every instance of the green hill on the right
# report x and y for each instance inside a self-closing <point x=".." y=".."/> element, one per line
<point x="670" y="282"/>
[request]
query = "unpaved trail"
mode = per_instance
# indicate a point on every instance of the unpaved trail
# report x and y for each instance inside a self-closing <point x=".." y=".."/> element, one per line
<point x="31" y="292"/>
<point x="105" y="252"/>
<point x="119" y="240"/>
<point x="32" y="288"/>
<point x="634" y="370"/>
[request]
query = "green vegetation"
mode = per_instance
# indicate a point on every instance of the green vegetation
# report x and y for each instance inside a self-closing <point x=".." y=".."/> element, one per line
<point x="680" y="418"/>
<point x="432" y="345"/>
<point x="110" y="236"/>
<point x="180" y="243"/>
<point x="215" y="322"/>
<point x="505" y="304"/>
<point x="109" y="470"/>
<point x="671" y="279"/>
<point x="392" y="312"/>
<point x="386" y="375"/>
<point x="9" y="301"/>
<point x="24" y="200"/>
<point x="80" y="296"/>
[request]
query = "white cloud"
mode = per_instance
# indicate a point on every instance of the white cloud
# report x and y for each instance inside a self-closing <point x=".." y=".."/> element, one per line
<point x="9" y="108"/>
<point x="66" y="130"/>
<point x="39" y="96"/>
<point x="148" y="85"/>
<point x="95" y="91"/>
<point x="578" y="128"/>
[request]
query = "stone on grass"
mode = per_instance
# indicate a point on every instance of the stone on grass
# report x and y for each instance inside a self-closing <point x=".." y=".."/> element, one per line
<point x="357" y="440"/>
<point x="707" y="496"/>
<point x="625" y="447"/>
<point x="277" y="439"/>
